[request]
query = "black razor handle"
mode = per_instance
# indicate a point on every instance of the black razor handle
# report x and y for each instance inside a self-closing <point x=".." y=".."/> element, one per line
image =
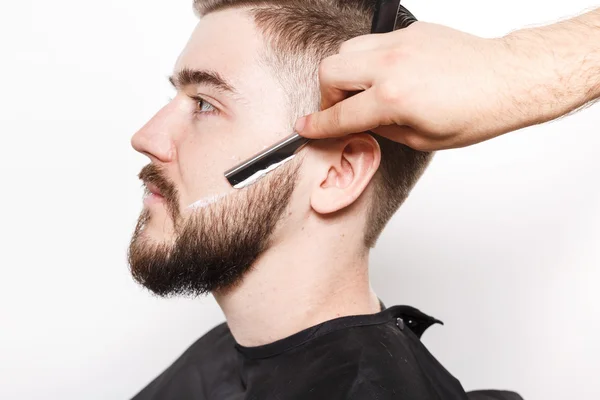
<point x="390" y="15"/>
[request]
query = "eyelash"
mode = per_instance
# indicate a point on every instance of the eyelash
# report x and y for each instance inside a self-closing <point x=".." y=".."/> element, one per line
<point x="199" y="99"/>
<point x="199" y="111"/>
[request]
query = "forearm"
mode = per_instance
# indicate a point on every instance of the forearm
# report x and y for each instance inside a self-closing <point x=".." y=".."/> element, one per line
<point x="556" y="68"/>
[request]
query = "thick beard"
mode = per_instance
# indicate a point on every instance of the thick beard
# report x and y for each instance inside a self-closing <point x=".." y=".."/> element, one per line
<point x="215" y="246"/>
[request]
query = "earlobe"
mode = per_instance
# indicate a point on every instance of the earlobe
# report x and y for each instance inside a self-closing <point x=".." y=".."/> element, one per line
<point x="351" y="164"/>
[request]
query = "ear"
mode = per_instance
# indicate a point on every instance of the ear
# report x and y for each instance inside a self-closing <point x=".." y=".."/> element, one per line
<point x="346" y="167"/>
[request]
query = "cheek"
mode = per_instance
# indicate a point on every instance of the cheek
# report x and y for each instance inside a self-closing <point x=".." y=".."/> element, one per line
<point x="203" y="161"/>
<point x="214" y="146"/>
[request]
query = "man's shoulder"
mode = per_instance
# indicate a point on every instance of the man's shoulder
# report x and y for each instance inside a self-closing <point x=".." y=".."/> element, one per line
<point x="493" y="395"/>
<point x="218" y="337"/>
<point x="203" y="355"/>
<point x="365" y="361"/>
<point x="215" y="341"/>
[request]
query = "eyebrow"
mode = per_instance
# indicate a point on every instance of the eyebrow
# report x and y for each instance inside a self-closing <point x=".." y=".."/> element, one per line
<point x="188" y="76"/>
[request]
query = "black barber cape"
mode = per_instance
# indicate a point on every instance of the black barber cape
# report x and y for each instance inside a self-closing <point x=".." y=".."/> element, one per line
<point x="363" y="357"/>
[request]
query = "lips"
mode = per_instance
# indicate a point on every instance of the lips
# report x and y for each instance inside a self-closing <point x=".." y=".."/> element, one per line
<point x="153" y="189"/>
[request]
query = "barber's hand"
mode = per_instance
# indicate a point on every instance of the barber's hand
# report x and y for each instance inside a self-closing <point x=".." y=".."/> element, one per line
<point x="427" y="86"/>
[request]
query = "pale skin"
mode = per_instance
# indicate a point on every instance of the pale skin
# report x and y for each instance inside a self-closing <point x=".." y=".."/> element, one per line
<point x="432" y="87"/>
<point x="316" y="268"/>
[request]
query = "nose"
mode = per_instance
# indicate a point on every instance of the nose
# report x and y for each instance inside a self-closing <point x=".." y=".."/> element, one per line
<point x="156" y="138"/>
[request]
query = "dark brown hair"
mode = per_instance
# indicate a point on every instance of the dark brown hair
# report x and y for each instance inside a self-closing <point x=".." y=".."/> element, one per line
<point x="299" y="34"/>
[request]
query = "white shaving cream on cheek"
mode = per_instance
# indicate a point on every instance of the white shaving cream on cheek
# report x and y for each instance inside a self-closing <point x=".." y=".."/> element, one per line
<point x="259" y="174"/>
<point x="206" y="201"/>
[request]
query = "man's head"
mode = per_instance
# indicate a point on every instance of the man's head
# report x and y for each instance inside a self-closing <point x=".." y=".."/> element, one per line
<point x="247" y="73"/>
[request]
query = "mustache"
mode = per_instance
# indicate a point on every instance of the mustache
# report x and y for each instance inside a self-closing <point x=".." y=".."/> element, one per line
<point x="156" y="175"/>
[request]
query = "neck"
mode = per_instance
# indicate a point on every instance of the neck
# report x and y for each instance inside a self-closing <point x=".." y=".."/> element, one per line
<point x="296" y="285"/>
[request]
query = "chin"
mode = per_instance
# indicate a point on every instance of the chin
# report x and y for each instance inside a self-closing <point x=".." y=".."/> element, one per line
<point x="159" y="227"/>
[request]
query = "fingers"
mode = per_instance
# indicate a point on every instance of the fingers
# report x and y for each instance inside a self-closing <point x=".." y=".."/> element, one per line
<point x="368" y="42"/>
<point x="405" y="135"/>
<point x="358" y="113"/>
<point x="413" y="138"/>
<point x="396" y="133"/>
<point x="356" y="66"/>
<point x="355" y="69"/>
<point x="344" y="73"/>
<point x="353" y="115"/>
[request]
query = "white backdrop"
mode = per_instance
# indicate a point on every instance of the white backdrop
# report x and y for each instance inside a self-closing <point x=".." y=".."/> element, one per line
<point x="500" y="240"/>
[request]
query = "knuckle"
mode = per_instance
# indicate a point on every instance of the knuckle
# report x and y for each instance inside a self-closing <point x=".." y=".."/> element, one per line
<point x="417" y="142"/>
<point x="393" y="57"/>
<point x="352" y="44"/>
<point x="312" y="124"/>
<point x="347" y="46"/>
<point x="337" y="116"/>
<point x="389" y="93"/>
<point x="327" y="68"/>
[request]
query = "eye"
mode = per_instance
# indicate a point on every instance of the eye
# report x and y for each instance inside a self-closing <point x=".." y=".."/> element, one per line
<point x="203" y="106"/>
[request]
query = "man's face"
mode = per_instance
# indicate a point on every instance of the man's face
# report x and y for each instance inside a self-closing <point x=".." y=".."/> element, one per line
<point x="199" y="234"/>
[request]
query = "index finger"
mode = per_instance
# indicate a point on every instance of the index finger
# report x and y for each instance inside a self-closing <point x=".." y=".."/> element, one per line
<point x="358" y="113"/>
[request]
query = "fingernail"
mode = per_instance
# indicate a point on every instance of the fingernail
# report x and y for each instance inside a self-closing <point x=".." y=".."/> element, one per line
<point x="300" y="124"/>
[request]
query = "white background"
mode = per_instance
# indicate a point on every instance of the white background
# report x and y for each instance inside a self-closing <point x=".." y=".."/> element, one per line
<point x="500" y="240"/>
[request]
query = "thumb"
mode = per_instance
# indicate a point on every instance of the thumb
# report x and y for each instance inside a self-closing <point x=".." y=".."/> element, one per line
<point x="355" y="114"/>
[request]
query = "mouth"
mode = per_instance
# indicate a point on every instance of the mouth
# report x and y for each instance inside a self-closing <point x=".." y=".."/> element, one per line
<point x="154" y="196"/>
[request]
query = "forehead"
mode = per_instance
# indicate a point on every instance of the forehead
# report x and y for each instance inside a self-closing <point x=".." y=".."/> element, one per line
<point x="229" y="43"/>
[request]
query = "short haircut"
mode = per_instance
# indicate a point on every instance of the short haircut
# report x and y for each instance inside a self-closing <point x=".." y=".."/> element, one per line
<point x="301" y="33"/>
